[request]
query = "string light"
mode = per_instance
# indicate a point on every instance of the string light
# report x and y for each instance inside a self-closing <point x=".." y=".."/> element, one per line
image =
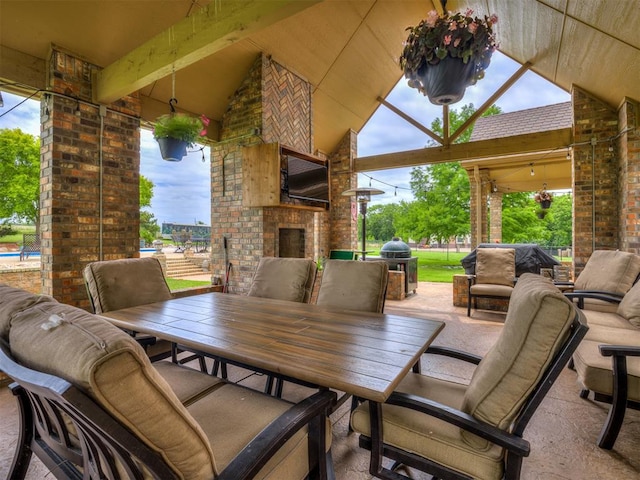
<point x="395" y="187"/>
<point x="532" y="172"/>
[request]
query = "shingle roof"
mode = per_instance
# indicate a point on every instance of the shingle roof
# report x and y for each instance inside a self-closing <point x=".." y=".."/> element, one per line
<point x="539" y="119"/>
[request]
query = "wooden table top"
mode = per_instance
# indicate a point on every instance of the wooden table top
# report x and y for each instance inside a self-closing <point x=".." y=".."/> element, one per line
<point x="364" y="354"/>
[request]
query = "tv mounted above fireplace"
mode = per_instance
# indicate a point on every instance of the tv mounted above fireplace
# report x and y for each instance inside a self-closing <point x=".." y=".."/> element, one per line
<point x="306" y="179"/>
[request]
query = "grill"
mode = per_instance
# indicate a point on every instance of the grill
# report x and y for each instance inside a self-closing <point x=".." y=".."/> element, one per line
<point x="396" y="248"/>
<point x="397" y="255"/>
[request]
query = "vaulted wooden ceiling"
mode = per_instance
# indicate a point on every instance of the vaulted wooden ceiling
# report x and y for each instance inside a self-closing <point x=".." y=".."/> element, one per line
<point x="347" y="49"/>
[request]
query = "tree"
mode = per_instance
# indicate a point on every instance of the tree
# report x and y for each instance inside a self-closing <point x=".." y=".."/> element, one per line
<point x="19" y="176"/>
<point x="380" y="221"/>
<point x="442" y="190"/>
<point x="149" y="228"/>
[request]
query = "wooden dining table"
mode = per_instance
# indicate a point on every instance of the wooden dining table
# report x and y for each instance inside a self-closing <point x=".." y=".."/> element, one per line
<point x="362" y="354"/>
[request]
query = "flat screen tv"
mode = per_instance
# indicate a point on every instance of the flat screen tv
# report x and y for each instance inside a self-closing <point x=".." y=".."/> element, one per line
<point x="307" y="180"/>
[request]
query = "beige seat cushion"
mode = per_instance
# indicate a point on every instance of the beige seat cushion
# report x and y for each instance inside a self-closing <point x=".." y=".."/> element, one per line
<point x="354" y="285"/>
<point x="596" y="318"/>
<point x="91" y="353"/>
<point x="536" y="327"/>
<point x="230" y="429"/>
<point x="116" y="284"/>
<point x="609" y="271"/>
<point x="284" y="279"/>
<point x="629" y="307"/>
<point x="14" y="300"/>
<point x="496" y="266"/>
<point x="492" y="290"/>
<point x="595" y="371"/>
<point x="429" y="437"/>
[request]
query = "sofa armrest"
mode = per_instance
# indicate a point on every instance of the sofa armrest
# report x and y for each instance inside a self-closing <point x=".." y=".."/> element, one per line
<point x="580" y="295"/>
<point x="312" y="411"/>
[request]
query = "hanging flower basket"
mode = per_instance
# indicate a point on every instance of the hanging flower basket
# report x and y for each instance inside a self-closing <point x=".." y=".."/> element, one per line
<point x="446" y="82"/>
<point x="176" y="132"/>
<point x="435" y="41"/>
<point x="172" y="149"/>
<point x="544" y="198"/>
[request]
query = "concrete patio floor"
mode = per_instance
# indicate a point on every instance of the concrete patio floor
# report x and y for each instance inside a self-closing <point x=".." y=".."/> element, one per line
<point x="562" y="433"/>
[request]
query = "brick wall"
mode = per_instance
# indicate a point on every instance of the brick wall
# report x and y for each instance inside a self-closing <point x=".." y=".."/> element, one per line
<point x="595" y="178"/>
<point x="628" y="149"/>
<point x="73" y="229"/>
<point x="28" y="279"/>
<point x="278" y="104"/>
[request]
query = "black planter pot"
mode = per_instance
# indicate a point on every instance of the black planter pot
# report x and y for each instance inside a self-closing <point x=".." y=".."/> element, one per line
<point x="172" y="149"/>
<point x="545" y="203"/>
<point x="541" y="215"/>
<point x="446" y="82"/>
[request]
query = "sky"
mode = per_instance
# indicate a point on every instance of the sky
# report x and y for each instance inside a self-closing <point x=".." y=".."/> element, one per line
<point x="182" y="189"/>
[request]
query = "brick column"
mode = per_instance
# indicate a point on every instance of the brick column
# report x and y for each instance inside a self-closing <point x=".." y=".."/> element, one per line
<point x="495" y="217"/>
<point x="479" y="191"/>
<point x="344" y="226"/>
<point x="628" y="148"/>
<point x="89" y="194"/>
<point x="595" y="178"/>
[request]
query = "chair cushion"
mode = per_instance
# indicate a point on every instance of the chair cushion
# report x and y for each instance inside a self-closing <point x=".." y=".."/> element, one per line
<point x="14" y="300"/>
<point x="609" y="271"/>
<point x="116" y="284"/>
<point x="496" y="265"/>
<point x="595" y="371"/>
<point x="89" y="352"/>
<point x="251" y="412"/>
<point x="629" y="307"/>
<point x="354" y="285"/>
<point x="427" y="436"/>
<point x="284" y="279"/>
<point x="491" y="290"/>
<point x="537" y="324"/>
<point x="606" y="320"/>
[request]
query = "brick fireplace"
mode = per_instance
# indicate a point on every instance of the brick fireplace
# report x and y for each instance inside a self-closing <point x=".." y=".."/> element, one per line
<point x="277" y="103"/>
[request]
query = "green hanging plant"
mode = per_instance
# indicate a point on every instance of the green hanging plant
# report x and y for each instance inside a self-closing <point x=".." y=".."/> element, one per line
<point x="182" y="127"/>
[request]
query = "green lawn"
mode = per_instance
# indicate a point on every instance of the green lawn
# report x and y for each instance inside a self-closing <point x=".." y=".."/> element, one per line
<point x="435" y="265"/>
<point x="17" y="237"/>
<point x="179" y="284"/>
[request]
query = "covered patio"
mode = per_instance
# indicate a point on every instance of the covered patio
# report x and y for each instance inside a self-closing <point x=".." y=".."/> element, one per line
<point x="307" y="75"/>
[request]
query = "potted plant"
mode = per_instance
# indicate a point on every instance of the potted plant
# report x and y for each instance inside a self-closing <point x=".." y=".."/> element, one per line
<point x="544" y="198"/>
<point x="175" y="132"/>
<point x="445" y="54"/>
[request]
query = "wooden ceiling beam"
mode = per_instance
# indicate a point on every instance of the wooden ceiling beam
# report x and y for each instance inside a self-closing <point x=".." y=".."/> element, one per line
<point x="411" y="120"/>
<point x="202" y="34"/>
<point x="490" y="101"/>
<point x="518" y="144"/>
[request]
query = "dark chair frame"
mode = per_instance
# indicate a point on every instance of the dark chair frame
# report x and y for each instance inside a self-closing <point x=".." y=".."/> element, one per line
<point x="516" y="447"/>
<point x="619" y="401"/>
<point x="102" y="442"/>
<point x="470" y="282"/>
<point x="618" y="353"/>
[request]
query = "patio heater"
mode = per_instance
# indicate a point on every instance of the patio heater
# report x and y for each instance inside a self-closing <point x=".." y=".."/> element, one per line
<point x="362" y="195"/>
